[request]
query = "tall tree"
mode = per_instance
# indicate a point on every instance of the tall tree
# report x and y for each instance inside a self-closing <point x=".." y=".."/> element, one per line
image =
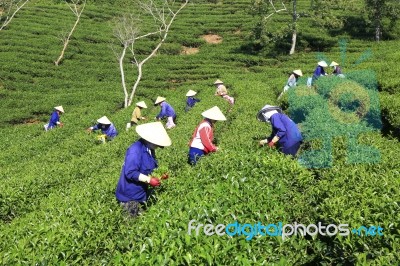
<point x="294" y="27"/>
<point x="77" y="7"/>
<point x="127" y="30"/>
<point x="265" y="32"/>
<point x="8" y="9"/>
<point x="377" y="10"/>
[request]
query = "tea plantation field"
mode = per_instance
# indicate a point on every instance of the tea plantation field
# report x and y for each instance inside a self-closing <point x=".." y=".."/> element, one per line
<point x="57" y="202"/>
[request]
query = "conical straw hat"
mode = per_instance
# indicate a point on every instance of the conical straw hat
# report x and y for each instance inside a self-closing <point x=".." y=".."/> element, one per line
<point x="322" y="63"/>
<point x="298" y="72"/>
<point x="214" y="114"/>
<point x="334" y="64"/>
<point x="141" y="104"/>
<point x="191" y="93"/>
<point x="104" y="120"/>
<point x="218" y="81"/>
<point x="59" y="108"/>
<point x="267" y="111"/>
<point x="159" y="99"/>
<point x="154" y="133"/>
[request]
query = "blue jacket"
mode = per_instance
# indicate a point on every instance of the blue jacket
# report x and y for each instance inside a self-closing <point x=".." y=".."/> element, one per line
<point x="337" y="70"/>
<point x="109" y="130"/>
<point x="319" y="71"/>
<point x="191" y="101"/>
<point x="285" y="129"/>
<point x="166" y="111"/>
<point x="138" y="160"/>
<point x="55" y="117"/>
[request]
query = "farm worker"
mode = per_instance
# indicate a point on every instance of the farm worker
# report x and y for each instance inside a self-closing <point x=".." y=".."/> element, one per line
<point x="337" y="71"/>
<point x="319" y="70"/>
<point x="284" y="131"/>
<point x="202" y="138"/>
<point x="55" y="118"/>
<point x="137" y="115"/>
<point x="223" y="92"/>
<point x="140" y="161"/>
<point x="190" y="101"/>
<point x="292" y="81"/>
<point x="107" y="128"/>
<point x="221" y="89"/>
<point x="166" y="111"/>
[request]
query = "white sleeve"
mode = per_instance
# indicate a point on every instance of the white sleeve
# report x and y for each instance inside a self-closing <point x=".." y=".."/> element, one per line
<point x="144" y="178"/>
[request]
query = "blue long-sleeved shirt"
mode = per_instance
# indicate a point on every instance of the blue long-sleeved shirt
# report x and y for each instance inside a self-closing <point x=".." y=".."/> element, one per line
<point x="337" y="70"/>
<point x="285" y="129"/>
<point x="191" y="101"/>
<point x="138" y="160"/>
<point x="319" y="71"/>
<point x="109" y="130"/>
<point x="166" y="111"/>
<point x="55" y="117"/>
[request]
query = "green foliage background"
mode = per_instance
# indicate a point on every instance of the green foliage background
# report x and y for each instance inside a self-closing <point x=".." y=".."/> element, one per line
<point x="57" y="203"/>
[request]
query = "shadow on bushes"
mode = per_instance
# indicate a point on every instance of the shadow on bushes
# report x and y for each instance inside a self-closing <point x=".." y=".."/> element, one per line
<point x="305" y="42"/>
<point x="388" y="130"/>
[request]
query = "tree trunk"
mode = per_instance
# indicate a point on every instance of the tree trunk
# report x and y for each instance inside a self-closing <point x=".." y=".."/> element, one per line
<point x="153" y="53"/>
<point x="378" y="31"/>
<point x="139" y="77"/>
<point x="121" y="68"/>
<point x="294" y="33"/>
<point x="78" y="16"/>
<point x="378" y="20"/>
<point x="294" y="37"/>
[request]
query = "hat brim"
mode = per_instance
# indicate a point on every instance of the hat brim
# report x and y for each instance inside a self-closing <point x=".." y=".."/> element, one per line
<point x="191" y="94"/>
<point x="298" y="73"/>
<point x="322" y="64"/>
<point x="59" y="108"/>
<point x="214" y="114"/>
<point x="141" y="104"/>
<point x="154" y="133"/>
<point x="260" y="115"/>
<point x="159" y="100"/>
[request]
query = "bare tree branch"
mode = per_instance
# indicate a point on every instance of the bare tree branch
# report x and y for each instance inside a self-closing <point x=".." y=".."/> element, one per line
<point x="165" y="32"/>
<point x="10" y="6"/>
<point x="77" y="10"/>
<point x="121" y="67"/>
<point x="127" y="32"/>
<point x="294" y="20"/>
<point x="275" y="10"/>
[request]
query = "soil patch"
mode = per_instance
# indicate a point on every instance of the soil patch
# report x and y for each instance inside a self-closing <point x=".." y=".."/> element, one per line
<point x="189" y="50"/>
<point x="31" y="121"/>
<point x="212" y="38"/>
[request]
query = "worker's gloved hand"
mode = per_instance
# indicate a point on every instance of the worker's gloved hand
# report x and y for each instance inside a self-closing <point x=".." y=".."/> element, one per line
<point x="262" y="142"/>
<point x="271" y="144"/>
<point x="165" y="176"/>
<point x="154" y="182"/>
<point x="61" y="124"/>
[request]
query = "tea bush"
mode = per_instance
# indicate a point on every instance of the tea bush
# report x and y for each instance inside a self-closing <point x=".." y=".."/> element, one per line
<point x="57" y="202"/>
